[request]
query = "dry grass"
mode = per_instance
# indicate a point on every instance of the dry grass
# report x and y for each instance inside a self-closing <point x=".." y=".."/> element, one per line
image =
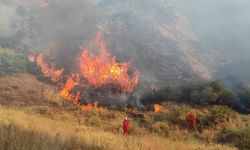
<point x="33" y="116"/>
<point x="20" y="130"/>
<point x="25" y="89"/>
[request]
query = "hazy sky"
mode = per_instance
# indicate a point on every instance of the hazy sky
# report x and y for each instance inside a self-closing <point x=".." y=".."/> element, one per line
<point x="223" y="22"/>
<point x="225" y="25"/>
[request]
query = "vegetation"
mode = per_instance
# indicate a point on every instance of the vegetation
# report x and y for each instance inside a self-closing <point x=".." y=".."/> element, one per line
<point x="239" y="137"/>
<point x="245" y="95"/>
<point x="12" y="63"/>
<point x="220" y="114"/>
<point x="22" y="130"/>
<point x="198" y="93"/>
<point x="34" y="116"/>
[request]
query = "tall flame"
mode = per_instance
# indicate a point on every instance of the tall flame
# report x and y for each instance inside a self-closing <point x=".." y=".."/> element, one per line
<point x="47" y="70"/>
<point x="97" y="71"/>
<point x="71" y="82"/>
<point x="104" y="69"/>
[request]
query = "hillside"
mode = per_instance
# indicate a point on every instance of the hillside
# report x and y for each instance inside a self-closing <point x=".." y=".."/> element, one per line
<point x="72" y="71"/>
<point x="152" y="35"/>
<point x="33" y="115"/>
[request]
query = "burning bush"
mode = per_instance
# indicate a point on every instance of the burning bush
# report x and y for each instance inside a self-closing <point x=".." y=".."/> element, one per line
<point x="101" y="73"/>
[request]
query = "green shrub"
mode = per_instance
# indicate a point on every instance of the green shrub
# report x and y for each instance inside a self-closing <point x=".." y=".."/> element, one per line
<point x="227" y="97"/>
<point x="246" y="97"/>
<point x="201" y="93"/>
<point x="169" y="93"/>
<point x="220" y="114"/>
<point x="177" y="115"/>
<point x="204" y="96"/>
<point x="237" y="137"/>
<point x="11" y="63"/>
<point x="93" y="121"/>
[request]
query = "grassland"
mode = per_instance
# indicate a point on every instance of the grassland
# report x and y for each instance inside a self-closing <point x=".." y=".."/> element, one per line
<point x="21" y="129"/>
<point x="34" y="116"/>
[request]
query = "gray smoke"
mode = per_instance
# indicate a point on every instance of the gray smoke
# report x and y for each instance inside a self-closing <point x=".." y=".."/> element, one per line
<point x="168" y="41"/>
<point x="225" y="26"/>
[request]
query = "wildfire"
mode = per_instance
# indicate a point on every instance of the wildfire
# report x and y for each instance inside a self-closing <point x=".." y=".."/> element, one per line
<point x="32" y="58"/>
<point x="157" y="107"/>
<point x="47" y="70"/>
<point x="87" y="107"/>
<point x="104" y="69"/>
<point x="96" y="71"/>
<point x="71" y="82"/>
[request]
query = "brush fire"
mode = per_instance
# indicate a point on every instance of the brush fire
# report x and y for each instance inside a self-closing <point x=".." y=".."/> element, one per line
<point x="100" y="71"/>
<point x="157" y="107"/>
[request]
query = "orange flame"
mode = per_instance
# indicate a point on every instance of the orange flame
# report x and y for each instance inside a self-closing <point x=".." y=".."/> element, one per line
<point x="87" y="107"/>
<point x="46" y="69"/>
<point x="70" y="84"/>
<point x="157" y="107"/>
<point x="97" y="71"/>
<point x="104" y="69"/>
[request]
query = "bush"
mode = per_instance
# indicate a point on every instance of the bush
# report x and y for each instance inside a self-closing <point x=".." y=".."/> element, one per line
<point x="11" y="63"/>
<point x="204" y="96"/>
<point x="227" y="97"/>
<point x="93" y="121"/>
<point x="246" y="97"/>
<point x="169" y="93"/>
<point x="177" y="116"/>
<point x="237" y="137"/>
<point x="220" y="114"/>
<point x="201" y="93"/>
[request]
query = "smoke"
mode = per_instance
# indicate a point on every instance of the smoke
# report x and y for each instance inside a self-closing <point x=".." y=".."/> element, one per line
<point x="5" y="14"/>
<point x="168" y="42"/>
<point x="225" y="26"/>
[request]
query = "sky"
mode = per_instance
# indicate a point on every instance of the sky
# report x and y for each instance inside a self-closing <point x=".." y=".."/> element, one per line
<point x="225" y="26"/>
<point x="225" y="22"/>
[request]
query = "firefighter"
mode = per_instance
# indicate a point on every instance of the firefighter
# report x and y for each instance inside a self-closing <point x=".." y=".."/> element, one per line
<point x="126" y="126"/>
<point x="192" y="121"/>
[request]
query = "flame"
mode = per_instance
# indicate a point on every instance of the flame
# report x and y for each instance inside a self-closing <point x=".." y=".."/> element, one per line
<point x="32" y="58"/>
<point x="96" y="71"/>
<point x="104" y="69"/>
<point x="46" y="69"/>
<point x="87" y="107"/>
<point x="71" y="82"/>
<point x="157" y="107"/>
